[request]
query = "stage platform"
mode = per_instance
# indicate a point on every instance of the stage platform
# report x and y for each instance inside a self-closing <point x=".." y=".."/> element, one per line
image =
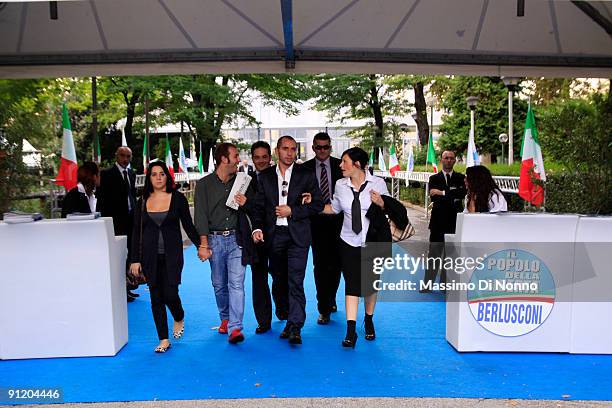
<point x="410" y="358"/>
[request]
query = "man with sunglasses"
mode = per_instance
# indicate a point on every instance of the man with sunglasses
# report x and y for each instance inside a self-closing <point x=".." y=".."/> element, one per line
<point x="282" y="222"/>
<point x="325" y="228"/>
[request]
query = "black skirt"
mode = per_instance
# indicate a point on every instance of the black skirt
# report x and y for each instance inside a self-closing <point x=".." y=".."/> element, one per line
<point x="357" y="269"/>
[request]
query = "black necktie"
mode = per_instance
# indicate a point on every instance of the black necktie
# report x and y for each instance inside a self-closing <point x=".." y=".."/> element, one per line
<point x="324" y="184"/>
<point x="126" y="180"/>
<point x="356" y="209"/>
<point x="447" y="179"/>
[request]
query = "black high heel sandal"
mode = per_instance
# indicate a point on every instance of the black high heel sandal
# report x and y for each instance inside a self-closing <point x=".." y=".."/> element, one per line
<point x="350" y="342"/>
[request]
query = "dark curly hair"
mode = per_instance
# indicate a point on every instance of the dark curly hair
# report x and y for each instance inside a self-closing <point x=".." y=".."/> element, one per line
<point x="480" y="186"/>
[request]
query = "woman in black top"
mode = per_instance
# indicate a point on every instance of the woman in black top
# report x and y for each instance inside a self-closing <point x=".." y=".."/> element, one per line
<point x="157" y="248"/>
<point x="82" y="199"/>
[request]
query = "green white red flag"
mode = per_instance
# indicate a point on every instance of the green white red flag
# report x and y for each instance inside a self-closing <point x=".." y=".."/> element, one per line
<point x="169" y="162"/>
<point x="393" y="162"/>
<point x="532" y="166"/>
<point x="67" y="175"/>
<point x="145" y="156"/>
<point x="431" y="155"/>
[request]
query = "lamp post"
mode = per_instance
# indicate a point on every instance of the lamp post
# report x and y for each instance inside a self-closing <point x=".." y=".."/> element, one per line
<point x="431" y="102"/>
<point x="511" y="83"/>
<point x="471" y="103"/>
<point x="503" y="138"/>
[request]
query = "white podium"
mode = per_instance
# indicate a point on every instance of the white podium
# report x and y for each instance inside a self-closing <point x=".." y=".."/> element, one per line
<point x="62" y="289"/>
<point x="574" y="249"/>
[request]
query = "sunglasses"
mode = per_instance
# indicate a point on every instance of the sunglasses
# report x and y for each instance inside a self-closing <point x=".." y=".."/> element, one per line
<point x="284" y="192"/>
<point x="322" y="147"/>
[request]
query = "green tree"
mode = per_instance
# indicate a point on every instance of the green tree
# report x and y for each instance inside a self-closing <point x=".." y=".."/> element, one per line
<point x="578" y="133"/>
<point x="491" y="114"/>
<point x="375" y="98"/>
<point x="25" y="113"/>
<point x="207" y="102"/>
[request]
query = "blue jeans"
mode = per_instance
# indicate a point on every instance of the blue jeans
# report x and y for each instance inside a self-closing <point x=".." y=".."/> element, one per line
<point x="227" y="274"/>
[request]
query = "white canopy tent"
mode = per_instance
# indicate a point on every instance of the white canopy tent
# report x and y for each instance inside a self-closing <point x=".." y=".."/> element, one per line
<point x="147" y="37"/>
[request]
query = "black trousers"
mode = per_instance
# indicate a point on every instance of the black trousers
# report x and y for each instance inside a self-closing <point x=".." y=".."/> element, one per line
<point x="326" y="259"/>
<point x="288" y="266"/>
<point x="262" y="302"/>
<point x="436" y="250"/>
<point x="162" y="295"/>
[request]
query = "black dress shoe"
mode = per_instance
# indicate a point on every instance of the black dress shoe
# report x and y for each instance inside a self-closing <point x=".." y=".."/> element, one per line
<point x="282" y="315"/>
<point x="261" y="329"/>
<point x="286" y="331"/>
<point x="323" y="319"/>
<point x="334" y="308"/>
<point x="130" y="299"/>
<point x="350" y="341"/>
<point x="132" y="294"/>
<point x="295" y="337"/>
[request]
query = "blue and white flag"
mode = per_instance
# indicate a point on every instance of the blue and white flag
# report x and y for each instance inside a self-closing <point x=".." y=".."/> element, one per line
<point x="472" y="153"/>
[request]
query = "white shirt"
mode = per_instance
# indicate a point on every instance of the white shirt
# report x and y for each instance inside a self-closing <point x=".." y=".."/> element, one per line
<point x="283" y="200"/>
<point x="497" y="203"/>
<point x="91" y="199"/>
<point x="343" y="201"/>
<point x="121" y="170"/>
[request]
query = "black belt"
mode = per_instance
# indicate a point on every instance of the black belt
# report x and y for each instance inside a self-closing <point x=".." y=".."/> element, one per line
<point x="224" y="233"/>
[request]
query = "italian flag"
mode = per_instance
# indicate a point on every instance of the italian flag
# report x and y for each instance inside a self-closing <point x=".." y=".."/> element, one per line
<point x="145" y="156"/>
<point x="532" y="167"/>
<point x="431" y="155"/>
<point x="201" y="160"/>
<point x="169" y="163"/>
<point x="371" y="162"/>
<point x="393" y="163"/>
<point x="67" y="175"/>
<point x="97" y="156"/>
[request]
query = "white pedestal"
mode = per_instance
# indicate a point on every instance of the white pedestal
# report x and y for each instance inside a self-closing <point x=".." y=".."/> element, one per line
<point x="592" y="290"/>
<point x="62" y="289"/>
<point x="578" y="258"/>
<point x="529" y="232"/>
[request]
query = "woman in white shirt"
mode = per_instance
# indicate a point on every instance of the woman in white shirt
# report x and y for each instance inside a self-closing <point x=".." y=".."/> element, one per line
<point x="356" y="191"/>
<point x="483" y="194"/>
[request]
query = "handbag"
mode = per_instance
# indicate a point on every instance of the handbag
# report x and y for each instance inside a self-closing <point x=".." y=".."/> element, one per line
<point x="140" y="279"/>
<point x="397" y="234"/>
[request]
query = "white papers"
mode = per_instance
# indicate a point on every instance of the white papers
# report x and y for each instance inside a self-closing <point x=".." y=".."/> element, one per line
<point x="240" y="186"/>
<point x="18" y="217"/>
<point x="82" y="216"/>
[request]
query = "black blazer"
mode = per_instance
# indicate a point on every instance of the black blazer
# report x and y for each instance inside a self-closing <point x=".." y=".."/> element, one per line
<point x="113" y="198"/>
<point x="302" y="180"/>
<point x="326" y="223"/>
<point x="446" y="207"/>
<point x="171" y="231"/>
<point x="75" y="201"/>
<point x="379" y="231"/>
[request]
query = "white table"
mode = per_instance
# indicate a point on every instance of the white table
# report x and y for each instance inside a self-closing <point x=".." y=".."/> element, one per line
<point x="578" y="320"/>
<point x="62" y="289"/>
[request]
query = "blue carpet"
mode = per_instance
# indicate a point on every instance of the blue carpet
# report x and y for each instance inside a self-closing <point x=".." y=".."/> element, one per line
<point x="410" y="358"/>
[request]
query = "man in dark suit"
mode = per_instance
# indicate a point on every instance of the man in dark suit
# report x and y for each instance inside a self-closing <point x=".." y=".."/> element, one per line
<point x="245" y="166"/>
<point x="283" y="222"/>
<point x="447" y="191"/>
<point x="325" y="228"/>
<point x="117" y="197"/>
<point x="261" y="154"/>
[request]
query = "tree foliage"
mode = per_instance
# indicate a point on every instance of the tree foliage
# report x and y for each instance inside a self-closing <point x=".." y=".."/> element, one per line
<point x="491" y="114"/>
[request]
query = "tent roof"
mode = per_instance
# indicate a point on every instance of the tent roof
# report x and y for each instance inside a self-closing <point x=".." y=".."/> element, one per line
<point x="472" y="37"/>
